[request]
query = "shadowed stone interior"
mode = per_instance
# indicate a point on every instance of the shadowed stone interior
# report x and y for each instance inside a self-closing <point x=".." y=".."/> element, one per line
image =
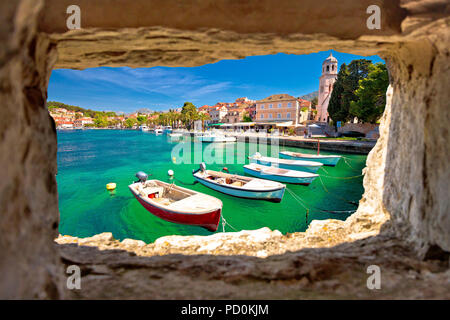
<point x="402" y="223"/>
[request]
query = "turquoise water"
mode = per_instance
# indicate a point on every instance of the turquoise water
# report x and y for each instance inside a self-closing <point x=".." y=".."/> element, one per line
<point x="89" y="159"/>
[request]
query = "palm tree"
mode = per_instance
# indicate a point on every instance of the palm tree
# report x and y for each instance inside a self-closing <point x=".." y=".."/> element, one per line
<point x="203" y="117"/>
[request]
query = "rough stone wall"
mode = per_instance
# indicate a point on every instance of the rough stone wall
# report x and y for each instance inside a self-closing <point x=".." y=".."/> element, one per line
<point x="417" y="170"/>
<point x="28" y="195"/>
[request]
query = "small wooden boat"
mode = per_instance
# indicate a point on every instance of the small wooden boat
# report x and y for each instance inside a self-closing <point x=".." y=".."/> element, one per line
<point x="176" y="204"/>
<point x="327" y="160"/>
<point x="301" y="165"/>
<point x="281" y="175"/>
<point x="240" y="186"/>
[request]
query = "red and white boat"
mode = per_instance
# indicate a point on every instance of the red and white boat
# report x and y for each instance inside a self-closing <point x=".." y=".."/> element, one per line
<point x="177" y="204"/>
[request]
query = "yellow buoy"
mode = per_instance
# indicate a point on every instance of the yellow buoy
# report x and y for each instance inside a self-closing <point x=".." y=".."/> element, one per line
<point x="111" y="186"/>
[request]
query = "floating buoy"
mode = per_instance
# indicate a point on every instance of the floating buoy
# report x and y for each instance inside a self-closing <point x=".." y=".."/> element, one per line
<point x="170" y="173"/>
<point x="111" y="186"/>
<point x="174" y="160"/>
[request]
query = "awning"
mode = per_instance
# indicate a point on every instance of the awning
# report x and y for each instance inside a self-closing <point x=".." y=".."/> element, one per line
<point x="285" y="124"/>
<point x="214" y="124"/>
<point x="243" y="124"/>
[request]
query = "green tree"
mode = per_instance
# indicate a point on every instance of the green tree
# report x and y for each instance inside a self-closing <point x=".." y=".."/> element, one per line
<point x="246" y="117"/>
<point x="130" y="122"/>
<point x="100" y="121"/>
<point x="345" y="87"/>
<point x="203" y="117"/>
<point x="371" y="94"/>
<point x="336" y="109"/>
<point x="141" y="119"/>
<point x="189" y="114"/>
<point x="314" y="102"/>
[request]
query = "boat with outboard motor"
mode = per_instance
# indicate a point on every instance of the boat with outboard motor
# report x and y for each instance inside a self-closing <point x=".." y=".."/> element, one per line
<point x="177" y="204"/>
<point x="240" y="186"/>
<point x="327" y="160"/>
<point x="301" y="165"/>
<point x="281" y="175"/>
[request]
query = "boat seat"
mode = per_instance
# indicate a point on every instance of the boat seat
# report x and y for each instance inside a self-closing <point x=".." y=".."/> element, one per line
<point x="192" y="203"/>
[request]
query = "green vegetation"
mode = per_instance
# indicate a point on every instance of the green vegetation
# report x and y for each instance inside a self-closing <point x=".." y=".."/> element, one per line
<point x="371" y="94"/>
<point x="359" y="91"/>
<point x="189" y="114"/>
<point x="87" y="112"/>
<point x="246" y="117"/>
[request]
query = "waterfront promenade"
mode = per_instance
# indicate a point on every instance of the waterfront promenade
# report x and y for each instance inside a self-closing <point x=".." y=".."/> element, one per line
<point x="326" y="144"/>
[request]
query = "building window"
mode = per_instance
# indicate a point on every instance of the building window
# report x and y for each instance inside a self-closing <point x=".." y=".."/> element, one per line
<point x="288" y="115"/>
<point x="279" y="115"/>
<point x="270" y="116"/>
<point x="270" y="106"/>
<point x="262" y="116"/>
<point x="328" y="68"/>
<point x="289" y="104"/>
<point x="262" y="106"/>
<point x="279" y="105"/>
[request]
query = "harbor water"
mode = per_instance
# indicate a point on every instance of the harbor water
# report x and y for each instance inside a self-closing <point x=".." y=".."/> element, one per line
<point x="90" y="159"/>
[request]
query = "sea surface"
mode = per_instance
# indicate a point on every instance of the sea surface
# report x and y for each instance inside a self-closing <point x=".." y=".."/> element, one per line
<point x="89" y="159"/>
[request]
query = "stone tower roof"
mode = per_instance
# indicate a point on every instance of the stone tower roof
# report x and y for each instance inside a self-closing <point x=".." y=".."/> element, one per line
<point x="330" y="58"/>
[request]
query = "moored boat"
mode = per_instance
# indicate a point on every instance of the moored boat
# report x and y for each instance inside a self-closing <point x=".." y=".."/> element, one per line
<point x="175" y="135"/>
<point x="158" y="131"/>
<point x="301" y="165"/>
<point x="240" y="186"/>
<point x="327" y="160"/>
<point x="211" y="138"/>
<point x="278" y="174"/>
<point x="176" y="204"/>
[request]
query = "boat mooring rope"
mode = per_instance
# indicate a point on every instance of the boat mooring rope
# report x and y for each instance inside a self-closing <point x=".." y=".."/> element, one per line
<point x="343" y="178"/>
<point x="335" y="195"/>
<point x="224" y="222"/>
<point x="303" y="204"/>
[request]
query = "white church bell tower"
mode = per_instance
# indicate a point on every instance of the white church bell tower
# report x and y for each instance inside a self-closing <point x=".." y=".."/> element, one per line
<point x="327" y="79"/>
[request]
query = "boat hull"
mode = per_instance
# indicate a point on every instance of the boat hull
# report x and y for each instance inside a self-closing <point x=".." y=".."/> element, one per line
<point x="212" y="139"/>
<point x="209" y="221"/>
<point x="312" y="169"/>
<point x="275" y="195"/>
<point x="326" y="161"/>
<point x="292" y="180"/>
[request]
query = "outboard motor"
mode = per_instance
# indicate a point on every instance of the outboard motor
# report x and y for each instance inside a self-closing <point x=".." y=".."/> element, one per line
<point x="142" y="176"/>
<point x="202" y="167"/>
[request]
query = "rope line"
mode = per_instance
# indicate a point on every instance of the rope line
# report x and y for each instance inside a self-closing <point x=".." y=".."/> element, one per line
<point x="335" y="195"/>
<point x="303" y="204"/>
<point x="224" y="222"/>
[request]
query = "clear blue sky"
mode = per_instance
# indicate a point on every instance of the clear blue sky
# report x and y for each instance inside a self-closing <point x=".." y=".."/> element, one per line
<point x="161" y="88"/>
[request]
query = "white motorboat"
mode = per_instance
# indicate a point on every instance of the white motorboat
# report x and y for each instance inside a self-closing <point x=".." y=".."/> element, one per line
<point x="281" y="175"/>
<point x="240" y="186"/>
<point x="211" y="138"/>
<point x="301" y="165"/>
<point x="144" y="128"/>
<point x="328" y="160"/>
<point x="158" y="131"/>
<point x="175" y="136"/>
